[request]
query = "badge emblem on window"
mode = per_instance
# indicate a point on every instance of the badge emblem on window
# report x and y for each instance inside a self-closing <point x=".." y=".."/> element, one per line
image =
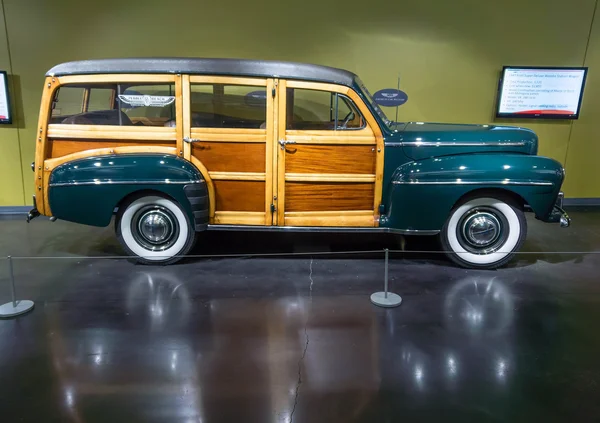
<point x="146" y="100"/>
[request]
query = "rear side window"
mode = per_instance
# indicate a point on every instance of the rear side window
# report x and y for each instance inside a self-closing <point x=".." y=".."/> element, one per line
<point x="228" y="106"/>
<point x="115" y="104"/>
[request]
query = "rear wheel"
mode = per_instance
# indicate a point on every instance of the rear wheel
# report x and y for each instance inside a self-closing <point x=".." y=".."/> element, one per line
<point x="154" y="229"/>
<point x="484" y="232"/>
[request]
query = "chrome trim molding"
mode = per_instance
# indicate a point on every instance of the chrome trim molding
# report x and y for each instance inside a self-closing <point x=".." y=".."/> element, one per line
<point x="348" y="229"/>
<point x="153" y="182"/>
<point x="461" y="182"/>
<point x="455" y="144"/>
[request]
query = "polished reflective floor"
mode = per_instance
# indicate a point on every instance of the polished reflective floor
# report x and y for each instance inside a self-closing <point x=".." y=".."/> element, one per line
<point x="295" y="338"/>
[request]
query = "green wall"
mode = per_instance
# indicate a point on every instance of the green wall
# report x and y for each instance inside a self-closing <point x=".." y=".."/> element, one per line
<point x="448" y="53"/>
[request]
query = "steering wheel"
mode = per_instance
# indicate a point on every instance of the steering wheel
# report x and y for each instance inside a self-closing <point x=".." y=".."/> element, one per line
<point x="348" y="118"/>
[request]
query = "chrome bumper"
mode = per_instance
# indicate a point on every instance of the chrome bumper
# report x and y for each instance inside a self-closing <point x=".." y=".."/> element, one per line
<point x="558" y="214"/>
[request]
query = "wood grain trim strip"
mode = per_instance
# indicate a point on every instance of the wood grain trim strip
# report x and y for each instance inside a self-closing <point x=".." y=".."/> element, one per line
<point x="51" y="164"/>
<point x="318" y="86"/>
<point x="187" y="118"/>
<point x="330" y="137"/>
<point x="239" y="218"/>
<point x="271" y="102"/>
<point x="329" y="177"/>
<point x="357" y="218"/>
<point x="231" y="80"/>
<point x="228" y="138"/>
<point x="106" y="132"/>
<point x="330" y="213"/>
<point x="41" y="149"/>
<point x="179" y="114"/>
<point x="231" y="131"/>
<point x="117" y="77"/>
<point x="279" y="157"/>
<point x="237" y="176"/>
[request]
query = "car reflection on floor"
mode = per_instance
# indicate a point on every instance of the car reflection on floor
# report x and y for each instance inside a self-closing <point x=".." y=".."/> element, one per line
<point x="164" y="352"/>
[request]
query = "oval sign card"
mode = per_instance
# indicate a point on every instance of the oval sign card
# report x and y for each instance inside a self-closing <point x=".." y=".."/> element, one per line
<point x="390" y="97"/>
<point x="256" y="98"/>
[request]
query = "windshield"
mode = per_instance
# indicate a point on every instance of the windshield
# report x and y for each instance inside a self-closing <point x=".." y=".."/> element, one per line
<point x="374" y="105"/>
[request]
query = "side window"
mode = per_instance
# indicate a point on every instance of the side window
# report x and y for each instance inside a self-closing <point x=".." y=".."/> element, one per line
<point x="115" y="104"/>
<point x="228" y="106"/>
<point x="321" y="110"/>
<point x="147" y="105"/>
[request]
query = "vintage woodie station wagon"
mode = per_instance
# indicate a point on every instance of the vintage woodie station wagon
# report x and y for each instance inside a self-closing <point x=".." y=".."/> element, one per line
<point x="178" y="146"/>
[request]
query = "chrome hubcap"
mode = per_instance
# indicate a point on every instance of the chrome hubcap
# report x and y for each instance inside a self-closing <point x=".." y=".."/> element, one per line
<point x="154" y="228"/>
<point x="481" y="229"/>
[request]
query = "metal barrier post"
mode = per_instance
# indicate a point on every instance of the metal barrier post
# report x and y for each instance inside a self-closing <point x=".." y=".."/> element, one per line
<point x="385" y="298"/>
<point x="14" y="308"/>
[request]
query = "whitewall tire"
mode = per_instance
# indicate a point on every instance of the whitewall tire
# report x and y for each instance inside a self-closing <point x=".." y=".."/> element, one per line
<point x="484" y="232"/>
<point x="154" y="229"/>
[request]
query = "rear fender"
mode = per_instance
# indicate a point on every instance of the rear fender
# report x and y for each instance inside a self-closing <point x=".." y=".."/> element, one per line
<point x="424" y="192"/>
<point x="88" y="190"/>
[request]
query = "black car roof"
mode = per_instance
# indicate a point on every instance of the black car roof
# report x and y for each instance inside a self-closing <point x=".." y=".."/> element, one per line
<point x="237" y="67"/>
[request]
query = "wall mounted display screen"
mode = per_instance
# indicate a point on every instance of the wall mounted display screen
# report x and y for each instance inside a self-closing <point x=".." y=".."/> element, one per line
<point x="5" y="112"/>
<point x="527" y="92"/>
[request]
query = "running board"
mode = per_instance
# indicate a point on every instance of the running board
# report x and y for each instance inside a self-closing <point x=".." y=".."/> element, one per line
<point x="339" y="229"/>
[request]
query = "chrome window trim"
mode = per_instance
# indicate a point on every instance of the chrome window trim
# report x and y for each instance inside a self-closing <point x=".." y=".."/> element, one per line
<point x="321" y="229"/>
<point x="454" y="144"/>
<point x="456" y="182"/>
<point x="132" y="182"/>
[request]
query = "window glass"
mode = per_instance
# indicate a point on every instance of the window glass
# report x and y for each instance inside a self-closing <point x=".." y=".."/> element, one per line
<point x="67" y="101"/>
<point x="115" y="104"/>
<point x="228" y="106"/>
<point x="100" y="99"/>
<point x="321" y="110"/>
<point x="148" y="105"/>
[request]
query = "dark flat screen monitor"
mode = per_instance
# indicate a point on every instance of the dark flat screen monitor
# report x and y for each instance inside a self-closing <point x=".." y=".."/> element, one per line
<point x="540" y="93"/>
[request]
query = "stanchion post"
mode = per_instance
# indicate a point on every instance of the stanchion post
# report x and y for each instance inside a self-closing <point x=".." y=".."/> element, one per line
<point x="385" y="281"/>
<point x="12" y="282"/>
<point x="386" y="298"/>
<point x="14" y="308"/>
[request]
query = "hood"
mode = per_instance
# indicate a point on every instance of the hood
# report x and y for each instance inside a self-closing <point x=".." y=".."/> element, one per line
<point x="423" y="140"/>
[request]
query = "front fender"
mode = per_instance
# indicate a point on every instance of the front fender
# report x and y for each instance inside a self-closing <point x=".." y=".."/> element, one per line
<point x="423" y="192"/>
<point x="88" y="190"/>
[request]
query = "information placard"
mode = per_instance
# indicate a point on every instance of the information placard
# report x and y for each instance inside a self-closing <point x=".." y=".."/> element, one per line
<point x="5" y="112"/>
<point x="527" y="92"/>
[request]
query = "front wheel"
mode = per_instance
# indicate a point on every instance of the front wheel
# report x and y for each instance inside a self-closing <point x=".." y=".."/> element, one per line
<point x="484" y="232"/>
<point x="154" y="229"/>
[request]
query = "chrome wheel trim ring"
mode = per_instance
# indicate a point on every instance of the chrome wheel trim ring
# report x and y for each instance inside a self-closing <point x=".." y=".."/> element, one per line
<point x="482" y="230"/>
<point x="154" y="228"/>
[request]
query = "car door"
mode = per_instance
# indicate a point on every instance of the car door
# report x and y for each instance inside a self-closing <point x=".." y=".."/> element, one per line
<point x="329" y="157"/>
<point x="229" y="134"/>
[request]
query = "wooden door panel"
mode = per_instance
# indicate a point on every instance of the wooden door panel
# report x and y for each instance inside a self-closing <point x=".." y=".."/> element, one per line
<point x="240" y="196"/>
<point x="231" y="156"/>
<point x="232" y="144"/>
<point x="347" y="159"/>
<point x="323" y="196"/>
<point x="327" y="177"/>
<point x="61" y="147"/>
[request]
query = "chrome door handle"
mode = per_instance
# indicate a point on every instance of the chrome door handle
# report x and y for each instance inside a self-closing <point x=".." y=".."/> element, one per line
<point x="190" y="140"/>
<point x="283" y="143"/>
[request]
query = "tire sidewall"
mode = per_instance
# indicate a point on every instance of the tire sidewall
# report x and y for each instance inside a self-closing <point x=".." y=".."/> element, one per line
<point x="181" y="246"/>
<point x="517" y="230"/>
